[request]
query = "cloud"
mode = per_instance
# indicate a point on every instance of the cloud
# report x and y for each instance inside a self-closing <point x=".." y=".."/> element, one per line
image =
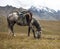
<point x="53" y="4"/>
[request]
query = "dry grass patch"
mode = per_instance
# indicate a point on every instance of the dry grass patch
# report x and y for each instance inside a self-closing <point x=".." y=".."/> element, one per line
<point x="24" y="42"/>
<point x="50" y="36"/>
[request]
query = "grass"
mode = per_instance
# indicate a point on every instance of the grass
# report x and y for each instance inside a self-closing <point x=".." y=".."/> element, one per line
<point x="51" y="27"/>
<point x="24" y="42"/>
<point x="50" y="36"/>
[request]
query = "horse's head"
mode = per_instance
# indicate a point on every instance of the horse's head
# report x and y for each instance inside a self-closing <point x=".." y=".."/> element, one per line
<point x="38" y="34"/>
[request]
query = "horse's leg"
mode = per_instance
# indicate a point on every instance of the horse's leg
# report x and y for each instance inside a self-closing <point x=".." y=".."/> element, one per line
<point x="10" y="26"/>
<point x="29" y="28"/>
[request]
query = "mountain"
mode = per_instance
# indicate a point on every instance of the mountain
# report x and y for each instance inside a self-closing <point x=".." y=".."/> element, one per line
<point x="45" y="13"/>
<point x="4" y="11"/>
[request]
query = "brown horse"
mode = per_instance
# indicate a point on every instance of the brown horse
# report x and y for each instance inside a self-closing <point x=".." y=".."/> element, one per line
<point x="24" y="18"/>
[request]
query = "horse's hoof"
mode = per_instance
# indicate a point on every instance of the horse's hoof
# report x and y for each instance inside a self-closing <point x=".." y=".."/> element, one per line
<point x="14" y="35"/>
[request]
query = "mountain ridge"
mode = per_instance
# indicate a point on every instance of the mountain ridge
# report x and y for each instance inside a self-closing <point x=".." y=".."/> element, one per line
<point x="46" y="13"/>
<point x="43" y="13"/>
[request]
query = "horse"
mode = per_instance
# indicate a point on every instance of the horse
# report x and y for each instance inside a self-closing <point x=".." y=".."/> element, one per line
<point x="23" y="18"/>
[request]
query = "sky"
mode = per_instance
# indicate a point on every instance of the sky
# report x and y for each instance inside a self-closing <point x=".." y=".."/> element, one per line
<point x="53" y="4"/>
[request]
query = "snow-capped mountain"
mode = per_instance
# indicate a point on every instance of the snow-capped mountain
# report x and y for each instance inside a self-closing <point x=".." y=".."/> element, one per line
<point x="42" y="8"/>
<point x="45" y="13"/>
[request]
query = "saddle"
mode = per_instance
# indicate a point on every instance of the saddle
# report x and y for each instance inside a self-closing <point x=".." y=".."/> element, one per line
<point x="22" y="20"/>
